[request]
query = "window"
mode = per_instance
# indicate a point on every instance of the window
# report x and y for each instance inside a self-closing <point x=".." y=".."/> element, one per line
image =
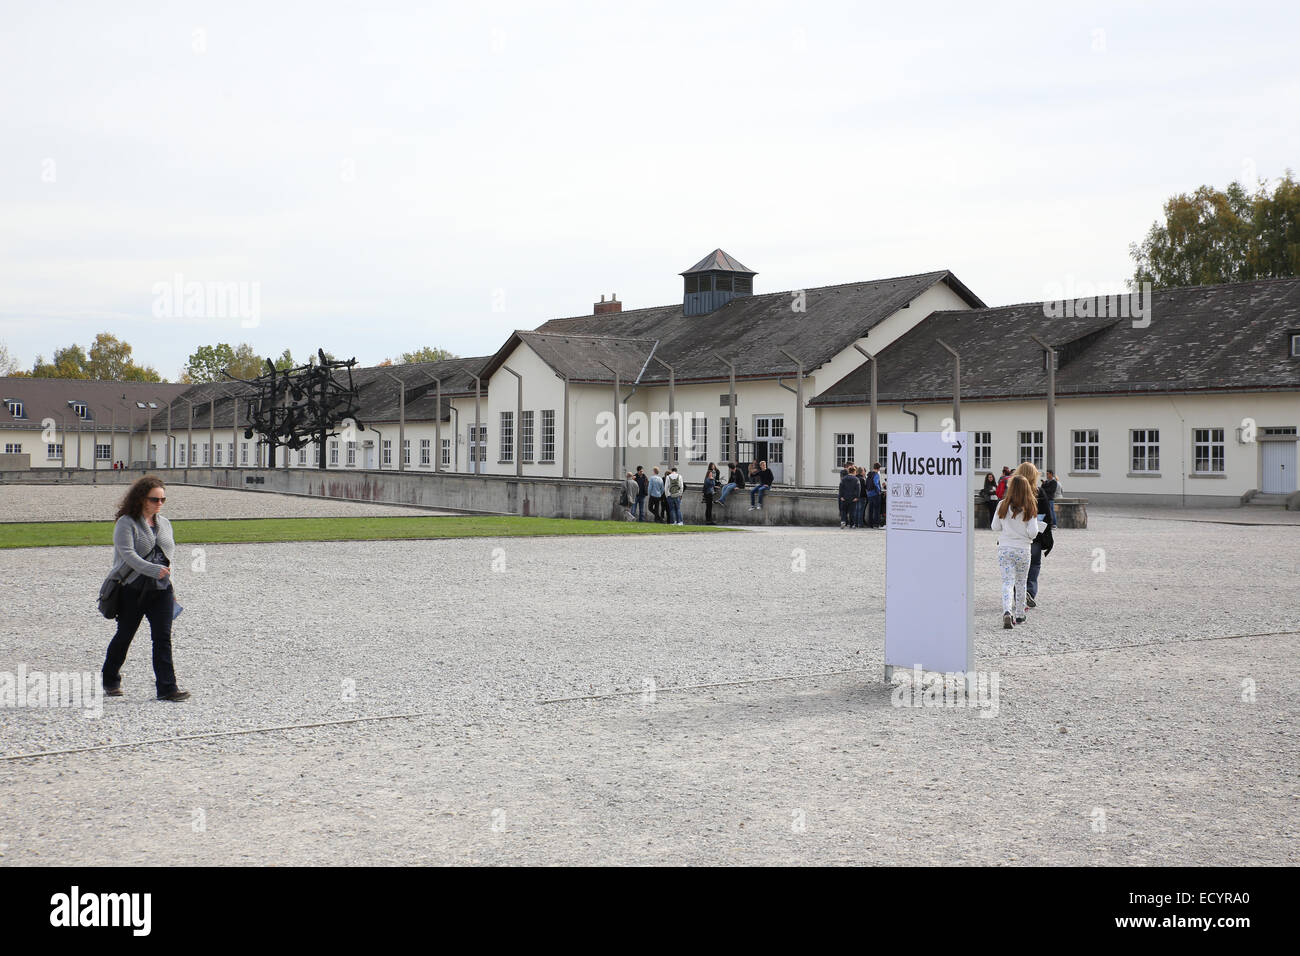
<point x="352" y="454"/>
<point x="699" y="438"/>
<point x="205" y="453"/>
<point x="692" y="284"/>
<point x="53" y="452"/>
<point x="744" y="285"/>
<point x="548" y="436"/>
<point x="843" y="448"/>
<point x="882" y="451"/>
<point x="507" y="436"/>
<point x="1087" y="450"/>
<point x="218" y="453"/>
<point x="668" y="437"/>
<point x="334" y="452"/>
<point x="302" y="455"/>
<point x="771" y="429"/>
<point x="388" y="451"/>
<point x="983" y="451"/>
<point x="406" y="451"/>
<point x="102" y="452"/>
<point x="80" y="409"/>
<point x="446" y="452"/>
<point x="424" y="451"/>
<point x="15" y="407"/>
<point x="13" y="449"/>
<point x="1029" y="447"/>
<point x="1295" y="344"/>
<point x="722" y="283"/>
<point x="243" y="453"/>
<point x="706" y="283"/>
<point x="1208" y="450"/>
<point x="526" y="435"/>
<point x="1145" y="455"/>
<point x="230" y="452"/>
<point x="181" y="456"/>
<point x="725" y="432"/>
<point x="478" y="447"/>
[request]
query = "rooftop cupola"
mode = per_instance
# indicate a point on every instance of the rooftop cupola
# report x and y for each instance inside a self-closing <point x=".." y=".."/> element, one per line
<point x="713" y="282"/>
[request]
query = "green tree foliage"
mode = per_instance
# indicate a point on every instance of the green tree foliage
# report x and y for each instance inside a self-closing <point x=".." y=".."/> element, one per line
<point x="1215" y="236"/>
<point x="426" y="354"/>
<point x="208" y="361"/>
<point x="109" y="360"/>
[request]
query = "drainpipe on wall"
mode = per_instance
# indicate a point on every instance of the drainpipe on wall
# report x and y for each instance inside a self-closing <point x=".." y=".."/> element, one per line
<point x="1182" y="451"/>
<point x="519" y="422"/>
<point x="916" y="419"/>
<point x="873" y="438"/>
<point x="798" y="420"/>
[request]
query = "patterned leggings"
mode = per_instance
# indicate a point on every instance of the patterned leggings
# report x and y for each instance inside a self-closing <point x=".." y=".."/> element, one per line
<point x="1014" y="563"/>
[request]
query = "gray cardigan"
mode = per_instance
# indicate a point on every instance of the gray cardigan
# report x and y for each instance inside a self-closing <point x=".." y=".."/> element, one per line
<point x="133" y="542"/>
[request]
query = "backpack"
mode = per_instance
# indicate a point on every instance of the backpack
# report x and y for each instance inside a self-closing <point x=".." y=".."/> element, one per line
<point x="674" y="484"/>
<point x="1002" y="488"/>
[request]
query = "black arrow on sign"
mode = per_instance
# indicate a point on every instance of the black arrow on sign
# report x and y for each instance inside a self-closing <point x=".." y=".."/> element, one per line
<point x="957" y="446"/>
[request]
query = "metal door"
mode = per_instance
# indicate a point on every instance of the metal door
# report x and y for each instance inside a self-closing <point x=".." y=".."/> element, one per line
<point x="1279" y="461"/>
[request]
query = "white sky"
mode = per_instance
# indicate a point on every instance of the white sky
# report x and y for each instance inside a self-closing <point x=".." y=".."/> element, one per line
<point x="390" y="172"/>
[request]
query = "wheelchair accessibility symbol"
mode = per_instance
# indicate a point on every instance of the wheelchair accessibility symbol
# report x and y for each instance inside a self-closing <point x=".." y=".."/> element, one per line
<point x="949" y="522"/>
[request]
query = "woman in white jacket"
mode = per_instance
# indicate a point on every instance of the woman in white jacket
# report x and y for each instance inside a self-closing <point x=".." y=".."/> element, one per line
<point x="1017" y="523"/>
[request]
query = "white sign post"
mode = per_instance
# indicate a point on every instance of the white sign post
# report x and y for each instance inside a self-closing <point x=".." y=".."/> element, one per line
<point x="929" y="554"/>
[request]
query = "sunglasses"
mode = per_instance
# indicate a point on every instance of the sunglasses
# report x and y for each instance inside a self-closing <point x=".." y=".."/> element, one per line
<point x="158" y="500"/>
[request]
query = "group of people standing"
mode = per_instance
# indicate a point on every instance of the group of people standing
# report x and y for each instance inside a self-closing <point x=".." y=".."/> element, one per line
<point x="663" y="493"/>
<point x="862" y="496"/>
<point x="1023" y="517"/>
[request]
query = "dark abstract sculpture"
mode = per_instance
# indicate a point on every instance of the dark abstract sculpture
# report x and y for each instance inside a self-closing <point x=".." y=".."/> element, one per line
<point x="295" y="407"/>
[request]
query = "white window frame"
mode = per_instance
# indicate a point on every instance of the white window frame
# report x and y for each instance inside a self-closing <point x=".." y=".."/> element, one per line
<point x="1085" y="444"/>
<point x="107" y="451"/>
<point x="351" y="453"/>
<point x="425" y="459"/>
<point x="1148" y="440"/>
<point x="845" y="442"/>
<point x="207" y="454"/>
<point x="548" y="437"/>
<point x="1034" y="443"/>
<point x="669" y="438"/>
<point x="526" y="422"/>
<point x="772" y="431"/>
<point x="15" y="407"/>
<point x="882" y="453"/>
<point x="334" y="451"/>
<point x="302" y="456"/>
<point x="81" y="410"/>
<point x="53" y="451"/>
<point x="1212" y="442"/>
<point x="507" y="443"/>
<point x="13" y="448"/>
<point x="387" y="450"/>
<point x="446" y="452"/>
<point x="699" y="439"/>
<point x="982" y="451"/>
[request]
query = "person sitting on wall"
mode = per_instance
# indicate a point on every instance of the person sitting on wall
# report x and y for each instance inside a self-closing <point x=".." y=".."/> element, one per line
<point x="764" y="478"/>
<point x="735" y="479"/>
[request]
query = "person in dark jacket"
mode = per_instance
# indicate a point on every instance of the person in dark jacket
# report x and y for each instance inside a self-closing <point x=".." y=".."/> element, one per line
<point x="735" y="479"/>
<point x="710" y="487"/>
<point x="1043" y="543"/>
<point x="875" y="498"/>
<point x="764" y="480"/>
<point x="643" y="485"/>
<point x="850" y="489"/>
<point x="990" y="494"/>
<point x="1050" y="487"/>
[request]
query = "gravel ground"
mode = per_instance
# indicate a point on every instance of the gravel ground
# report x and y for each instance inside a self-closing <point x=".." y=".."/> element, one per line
<point x="1123" y="693"/>
<point x="99" y="503"/>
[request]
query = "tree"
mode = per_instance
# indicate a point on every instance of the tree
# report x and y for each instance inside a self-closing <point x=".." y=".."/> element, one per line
<point x="285" y="361"/>
<point x="8" y="364"/>
<point x="206" y="363"/>
<point x="110" y="361"/>
<point x="426" y="354"/>
<point x="1215" y="236"/>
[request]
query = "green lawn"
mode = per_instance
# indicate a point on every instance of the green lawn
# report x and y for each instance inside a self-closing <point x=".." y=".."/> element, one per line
<point x="255" y="530"/>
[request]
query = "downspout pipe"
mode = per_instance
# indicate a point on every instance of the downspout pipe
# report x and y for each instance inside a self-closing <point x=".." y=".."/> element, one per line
<point x="916" y="419"/>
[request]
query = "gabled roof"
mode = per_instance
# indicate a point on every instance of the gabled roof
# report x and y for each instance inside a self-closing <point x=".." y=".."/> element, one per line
<point x="1201" y="338"/>
<point x="583" y="359"/>
<point x="752" y="330"/>
<point x="717" y="260"/>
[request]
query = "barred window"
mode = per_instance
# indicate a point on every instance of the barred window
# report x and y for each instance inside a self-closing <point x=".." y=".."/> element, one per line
<point x="548" y="435"/>
<point x="526" y="435"/>
<point x="507" y="436"/>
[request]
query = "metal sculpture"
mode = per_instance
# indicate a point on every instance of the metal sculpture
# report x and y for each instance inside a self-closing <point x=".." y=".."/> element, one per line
<point x="294" y="407"/>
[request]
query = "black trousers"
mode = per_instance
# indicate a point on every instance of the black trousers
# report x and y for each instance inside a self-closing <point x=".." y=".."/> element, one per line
<point x="708" y="509"/>
<point x="137" y="604"/>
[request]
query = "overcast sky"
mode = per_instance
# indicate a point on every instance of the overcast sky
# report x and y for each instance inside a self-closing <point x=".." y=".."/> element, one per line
<point x="393" y="175"/>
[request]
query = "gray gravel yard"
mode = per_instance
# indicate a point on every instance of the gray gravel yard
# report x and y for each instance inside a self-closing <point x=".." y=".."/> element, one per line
<point x="99" y="503"/>
<point x="1129" y="693"/>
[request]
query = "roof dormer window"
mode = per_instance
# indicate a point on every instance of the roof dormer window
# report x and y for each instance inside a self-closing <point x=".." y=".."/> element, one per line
<point x="15" y="407"/>
<point x="80" y="409"/>
<point x="1295" y="344"/>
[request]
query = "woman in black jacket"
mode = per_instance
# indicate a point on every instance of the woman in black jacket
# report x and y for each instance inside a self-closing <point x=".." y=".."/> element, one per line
<point x="990" y="494"/>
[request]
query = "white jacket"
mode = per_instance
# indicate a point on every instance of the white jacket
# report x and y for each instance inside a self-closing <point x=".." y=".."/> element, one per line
<point x="1015" y="532"/>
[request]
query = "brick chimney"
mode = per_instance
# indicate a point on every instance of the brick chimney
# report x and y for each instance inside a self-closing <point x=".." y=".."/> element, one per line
<point x="613" y="305"/>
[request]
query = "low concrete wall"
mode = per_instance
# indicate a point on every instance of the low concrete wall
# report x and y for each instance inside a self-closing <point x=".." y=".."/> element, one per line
<point x="499" y="494"/>
<point x="1070" y="513"/>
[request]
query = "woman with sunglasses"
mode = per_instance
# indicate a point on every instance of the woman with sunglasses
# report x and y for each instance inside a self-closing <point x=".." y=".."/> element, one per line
<point x="142" y="555"/>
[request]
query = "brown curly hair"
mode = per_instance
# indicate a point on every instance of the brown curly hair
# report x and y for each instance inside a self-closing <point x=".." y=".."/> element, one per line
<point x="132" y="505"/>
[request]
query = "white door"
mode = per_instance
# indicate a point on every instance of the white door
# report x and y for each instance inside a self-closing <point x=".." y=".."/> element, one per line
<point x="477" y="449"/>
<point x="1279" y="467"/>
<point x="770" y="430"/>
